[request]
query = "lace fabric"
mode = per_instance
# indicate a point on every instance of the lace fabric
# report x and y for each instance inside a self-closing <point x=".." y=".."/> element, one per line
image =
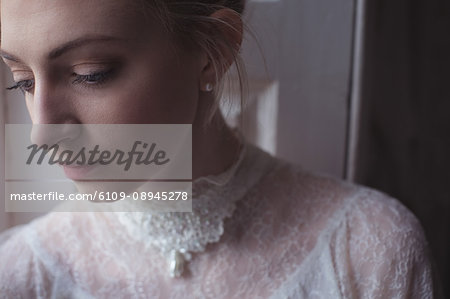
<point x="289" y="233"/>
<point x="176" y="235"/>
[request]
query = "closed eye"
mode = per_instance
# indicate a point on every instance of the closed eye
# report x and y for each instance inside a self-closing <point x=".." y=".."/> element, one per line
<point x="94" y="78"/>
<point x="24" y="86"/>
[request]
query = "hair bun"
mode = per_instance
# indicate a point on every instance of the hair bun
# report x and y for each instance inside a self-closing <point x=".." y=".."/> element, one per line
<point x="237" y="5"/>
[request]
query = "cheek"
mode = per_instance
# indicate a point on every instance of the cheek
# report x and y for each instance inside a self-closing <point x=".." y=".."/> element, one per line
<point x="146" y="96"/>
<point x="165" y="102"/>
<point x="147" y="106"/>
<point x="161" y="105"/>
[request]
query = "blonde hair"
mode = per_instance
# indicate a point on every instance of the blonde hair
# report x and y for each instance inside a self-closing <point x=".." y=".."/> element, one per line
<point x="190" y="24"/>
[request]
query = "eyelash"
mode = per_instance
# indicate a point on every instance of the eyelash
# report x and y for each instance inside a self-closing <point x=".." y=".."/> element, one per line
<point x="23" y="85"/>
<point x="97" y="78"/>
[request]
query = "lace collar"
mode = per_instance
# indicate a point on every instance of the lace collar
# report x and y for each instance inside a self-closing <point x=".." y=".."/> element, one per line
<point x="179" y="234"/>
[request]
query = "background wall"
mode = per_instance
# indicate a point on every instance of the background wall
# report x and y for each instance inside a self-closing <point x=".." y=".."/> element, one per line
<point x="4" y="218"/>
<point x="404" y="146"/>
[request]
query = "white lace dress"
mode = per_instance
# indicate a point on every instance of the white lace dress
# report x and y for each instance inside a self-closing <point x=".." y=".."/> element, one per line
<point x="287" y="233"/>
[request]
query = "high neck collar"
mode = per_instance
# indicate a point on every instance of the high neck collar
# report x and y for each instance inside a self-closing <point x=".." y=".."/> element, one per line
<point x="178" y="234"/>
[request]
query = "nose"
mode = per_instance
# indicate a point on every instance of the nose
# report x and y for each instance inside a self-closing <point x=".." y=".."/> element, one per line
<point x="51" y="134"/>
<point x="54" y="120"/>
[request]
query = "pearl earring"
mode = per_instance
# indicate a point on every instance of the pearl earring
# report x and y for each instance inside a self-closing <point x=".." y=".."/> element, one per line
<point x="208" y="87"/>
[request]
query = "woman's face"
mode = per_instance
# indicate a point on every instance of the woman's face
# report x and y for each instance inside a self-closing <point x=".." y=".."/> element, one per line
<point x="96" y="62"/>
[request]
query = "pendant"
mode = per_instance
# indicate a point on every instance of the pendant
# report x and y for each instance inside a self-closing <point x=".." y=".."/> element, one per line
<point x="176" y="264"/>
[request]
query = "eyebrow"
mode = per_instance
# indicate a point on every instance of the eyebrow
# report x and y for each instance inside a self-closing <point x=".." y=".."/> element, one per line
<point x="69" y="46"/>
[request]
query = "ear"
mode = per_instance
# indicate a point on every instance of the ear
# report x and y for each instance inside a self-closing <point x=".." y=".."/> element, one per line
<point x="230" y="26"/>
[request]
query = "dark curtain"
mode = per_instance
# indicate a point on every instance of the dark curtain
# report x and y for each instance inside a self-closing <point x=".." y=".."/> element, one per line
<point x="405" y="132"/>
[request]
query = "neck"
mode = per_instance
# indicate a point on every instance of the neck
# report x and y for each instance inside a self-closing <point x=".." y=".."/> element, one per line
<point x="214" y="147"/>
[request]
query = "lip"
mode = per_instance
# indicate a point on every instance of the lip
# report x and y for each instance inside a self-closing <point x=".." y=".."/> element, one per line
<point x="77" y="172"/>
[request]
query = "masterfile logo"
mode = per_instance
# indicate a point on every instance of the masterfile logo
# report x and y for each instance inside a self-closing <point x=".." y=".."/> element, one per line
<point x="95" y="163"/>
<point x="95" y="156"/>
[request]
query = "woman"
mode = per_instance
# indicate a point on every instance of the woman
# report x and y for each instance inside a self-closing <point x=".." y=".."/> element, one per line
<point x="260" y="227"/>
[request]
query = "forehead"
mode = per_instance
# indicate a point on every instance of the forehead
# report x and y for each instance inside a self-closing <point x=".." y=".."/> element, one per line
<point x="44" y="24"/>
